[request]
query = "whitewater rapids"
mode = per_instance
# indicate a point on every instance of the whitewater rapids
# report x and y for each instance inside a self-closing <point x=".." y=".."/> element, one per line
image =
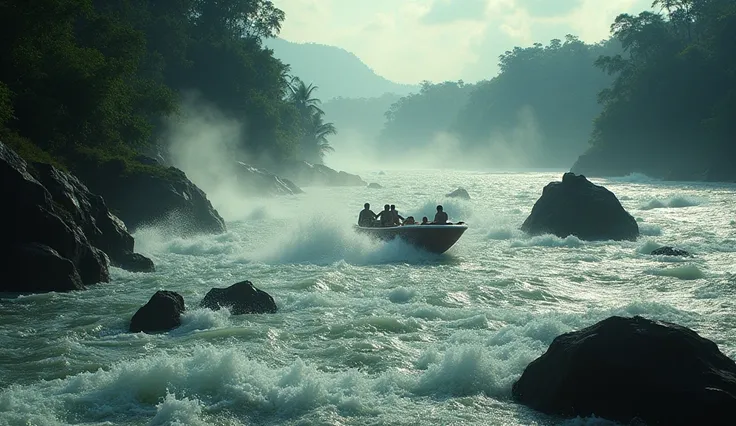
<point x="367" y="332"/>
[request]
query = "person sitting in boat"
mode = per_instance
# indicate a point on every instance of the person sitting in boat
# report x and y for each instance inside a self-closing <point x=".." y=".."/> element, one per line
<point x="397" y="218"/>
<point x="410" y="221"/>
<point x="366" y="218"/>
<point x="425" y="221"/>
<point x="440" y="218"/>
<point x="386" y="216"/>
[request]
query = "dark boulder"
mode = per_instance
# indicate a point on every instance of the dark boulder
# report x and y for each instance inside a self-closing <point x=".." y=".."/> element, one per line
<point x="146" y="193"/>
<point x="459" y="193"/>
<point x="103" y="229"/>
<point x="41" y="220"/>
<point x="374" y="185"/>
<point x="307" y="174"/>
<point x="578" y="207"/>
<point x="37" y="268"/>
<point x="53" y="209"/>
<point x="670" y="251"/>
<point x="255" y="181"/>
<point x="241" y="298"/>
<point x="135" y="262"/>
<point x="161" y="313"/>
<point x="627" y="368"/>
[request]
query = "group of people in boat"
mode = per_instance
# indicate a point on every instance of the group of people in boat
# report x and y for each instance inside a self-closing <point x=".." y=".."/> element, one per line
<point x="389" y="216"/>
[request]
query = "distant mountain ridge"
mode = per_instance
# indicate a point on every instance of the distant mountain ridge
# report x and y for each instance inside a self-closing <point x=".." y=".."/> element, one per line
<point x="336" y="71"/>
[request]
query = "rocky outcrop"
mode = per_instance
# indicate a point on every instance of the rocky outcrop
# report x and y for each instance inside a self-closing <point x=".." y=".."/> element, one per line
<point x="37" y="268"/>
<point x="374" y="185"/>
<point x="147" y="193"/>
<point x="459" y="193"/>
<point x="255" y="181"/>
<point x="161" y="313"/>
<point x="240" y="298"/>
<point x="670" y="251"/>
<point x="627" y="368"/>
<point x="63" y="237"/>
<point x="307" y="174"/>
<point x="135" y="262"/>
<point x="578" y="207"/>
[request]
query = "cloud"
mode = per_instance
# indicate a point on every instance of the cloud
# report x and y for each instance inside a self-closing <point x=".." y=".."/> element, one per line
<point x="548" y="8"/>
<point x="445" y="11"/>
<point x="412" y="40"/>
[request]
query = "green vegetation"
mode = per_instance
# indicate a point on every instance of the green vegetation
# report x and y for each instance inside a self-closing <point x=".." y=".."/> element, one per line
<point x="92" y="79"/>
<point x="541" y="105"/>
<point x="414" y="121"/>
<point x="670" y="111"/>
<point x="314" y="144"/>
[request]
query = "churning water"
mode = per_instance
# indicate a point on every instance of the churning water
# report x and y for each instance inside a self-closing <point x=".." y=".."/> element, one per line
<point x="367" y="333"/>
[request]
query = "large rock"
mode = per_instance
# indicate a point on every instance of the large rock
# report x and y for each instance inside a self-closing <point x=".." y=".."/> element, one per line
<point x="135" y="262"/>
<point x="578" y="207"/>
<point x="255" y="181"/>
<point x="161" y="313"/>
<point x="626" y="368"/>
<point x="308" y="174"/>
<point x="37" y="268"/>
<point x="51" y="231"/>
<point x="149" y="193"/>
<point x="56" y="218"/>
<point x="241" y="298"/>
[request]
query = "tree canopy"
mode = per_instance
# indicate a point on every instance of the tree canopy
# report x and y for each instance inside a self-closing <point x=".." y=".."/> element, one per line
<point x="669" y="112"/>
<point x="541" y="106"/>
<point x="101" y="75"/>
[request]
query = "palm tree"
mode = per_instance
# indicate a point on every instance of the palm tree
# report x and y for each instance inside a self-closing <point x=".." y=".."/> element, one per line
<point x="320" y="132"/>
<point x="301" y="95"/>
<point x="314" y="143"/>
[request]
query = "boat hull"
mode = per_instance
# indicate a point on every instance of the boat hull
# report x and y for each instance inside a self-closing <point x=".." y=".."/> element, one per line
<point x="432" y="238"/>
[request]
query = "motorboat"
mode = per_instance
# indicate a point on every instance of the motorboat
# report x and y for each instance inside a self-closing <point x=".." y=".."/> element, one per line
<point x="431" y="237"/>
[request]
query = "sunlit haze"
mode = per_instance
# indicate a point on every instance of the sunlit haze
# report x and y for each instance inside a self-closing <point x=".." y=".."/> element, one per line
<point x="437" y="40"/>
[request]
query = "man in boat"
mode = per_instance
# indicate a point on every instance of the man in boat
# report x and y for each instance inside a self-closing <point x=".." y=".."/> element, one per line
<point x="396" y="217"/>
<point x="410" y="221"/>
<point x="440" y="218"/>
<point x="366" y="218"/>
<point x="386" y="216"/>
<point x="425" y="221"/>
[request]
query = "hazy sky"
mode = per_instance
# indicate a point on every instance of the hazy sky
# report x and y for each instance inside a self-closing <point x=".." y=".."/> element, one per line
<point x="412" y="40"/>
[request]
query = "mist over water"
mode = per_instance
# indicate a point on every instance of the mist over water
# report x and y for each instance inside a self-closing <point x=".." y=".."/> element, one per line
<point x="366" y="332"/>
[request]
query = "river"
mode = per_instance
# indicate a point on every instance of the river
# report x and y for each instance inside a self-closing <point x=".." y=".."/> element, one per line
<point x="367" y="333"/>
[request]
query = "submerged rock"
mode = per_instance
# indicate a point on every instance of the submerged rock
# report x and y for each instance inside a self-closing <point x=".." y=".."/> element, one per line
<point x="578" y="207"/>
<point x="308" y="174"/>
<point x="255" y="181"/>
<point x="147" y="193"/>
<point x="626" y="368"/>
<point x="459" y="193"/>
<point x="241" y="298"/>
<point x="161" y="313"/>
<point x="669" y="251"/>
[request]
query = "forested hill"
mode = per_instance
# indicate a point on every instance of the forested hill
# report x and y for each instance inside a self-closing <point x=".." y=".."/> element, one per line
<point x="670" y="112"/>
<point x="94" y="79"/>
<point x="337" y="72"/>
<point x="537" y="112"/>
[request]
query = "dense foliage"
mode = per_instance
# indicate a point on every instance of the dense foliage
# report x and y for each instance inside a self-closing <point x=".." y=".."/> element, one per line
<point x="540" y="106"/>
<point x="670" y="112"/>
<point x="414" y="120"/>
<point x="99" y="76"/>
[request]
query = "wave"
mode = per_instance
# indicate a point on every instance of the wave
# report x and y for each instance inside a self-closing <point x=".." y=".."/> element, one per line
<point x="672" y="203"/>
